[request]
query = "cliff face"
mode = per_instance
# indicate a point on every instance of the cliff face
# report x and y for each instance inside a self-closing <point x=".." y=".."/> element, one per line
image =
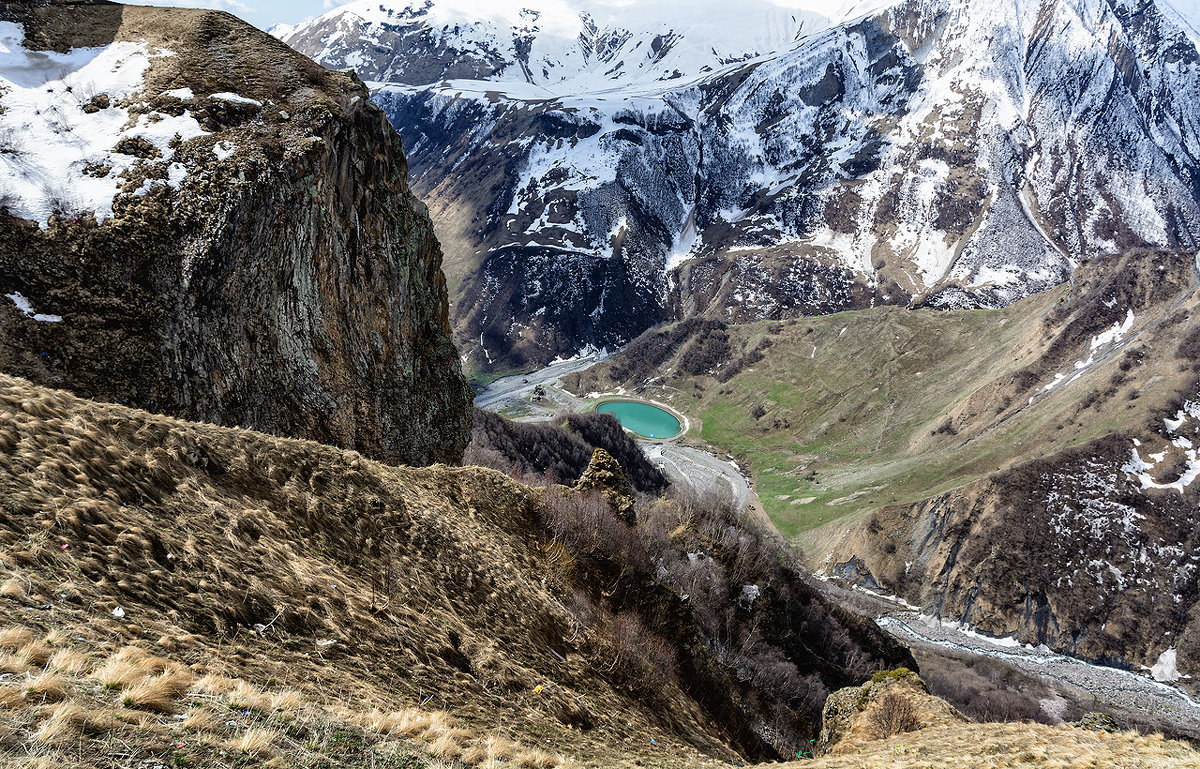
<point x="264" y="265"/>
<point x="1068" y="551"/>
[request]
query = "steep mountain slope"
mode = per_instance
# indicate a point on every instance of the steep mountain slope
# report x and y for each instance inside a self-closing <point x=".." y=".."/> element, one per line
<point x="980" y="464"/>
<point x="199" y="221"/>
<point x="450" y="588"/>
<point x="949" y="153"/>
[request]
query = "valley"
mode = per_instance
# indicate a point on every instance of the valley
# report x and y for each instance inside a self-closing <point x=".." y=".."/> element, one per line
<point x="842" y="415"/>
<point x="538" y="396"/>
<point x="447" y="384"/>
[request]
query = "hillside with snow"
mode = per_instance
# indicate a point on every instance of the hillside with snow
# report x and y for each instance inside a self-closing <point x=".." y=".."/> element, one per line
<point x="649" y="162"/>
<point x="67" y="140"/>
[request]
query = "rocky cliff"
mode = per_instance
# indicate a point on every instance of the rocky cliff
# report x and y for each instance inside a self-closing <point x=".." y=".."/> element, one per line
<point x="201" y="222"/>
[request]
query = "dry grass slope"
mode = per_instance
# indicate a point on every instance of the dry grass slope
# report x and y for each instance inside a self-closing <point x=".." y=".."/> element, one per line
<point x="181" y="594"/>
<point x="213" y="552"/>
<point x="1001" y="746"/>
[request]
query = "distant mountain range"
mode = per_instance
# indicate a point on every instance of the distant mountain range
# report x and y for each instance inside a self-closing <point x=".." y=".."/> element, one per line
<point x="597" y="170"/>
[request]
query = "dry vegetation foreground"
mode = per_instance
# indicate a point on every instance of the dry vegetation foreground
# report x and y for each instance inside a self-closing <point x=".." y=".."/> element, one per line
<point x="177" y="594"/>
<point x="224" y="595"/>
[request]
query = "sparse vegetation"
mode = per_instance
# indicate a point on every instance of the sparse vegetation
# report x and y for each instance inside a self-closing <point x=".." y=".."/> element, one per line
<point x="744" y="592"/>
<point x="542" y="453"/>
<point x="893" y="714"/>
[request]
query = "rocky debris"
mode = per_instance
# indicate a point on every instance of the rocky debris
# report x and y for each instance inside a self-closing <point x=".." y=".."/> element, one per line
<point x="606" y="475"/>
<point x="137" y="147"/>
<point x="276" y="274"/>
<point x="96" y="103"/>
<point x="891" y="702"/>
<point x="1094" y="720"/>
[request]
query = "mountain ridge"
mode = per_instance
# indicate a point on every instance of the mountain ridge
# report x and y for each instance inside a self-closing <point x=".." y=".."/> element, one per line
<point x="925" y="153"/>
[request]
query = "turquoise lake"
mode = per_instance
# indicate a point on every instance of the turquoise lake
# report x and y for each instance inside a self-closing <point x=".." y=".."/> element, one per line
<point x="642" y="418"/>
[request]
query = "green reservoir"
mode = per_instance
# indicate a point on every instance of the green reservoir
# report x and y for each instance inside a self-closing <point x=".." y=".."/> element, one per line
<point x="642" y="418"/>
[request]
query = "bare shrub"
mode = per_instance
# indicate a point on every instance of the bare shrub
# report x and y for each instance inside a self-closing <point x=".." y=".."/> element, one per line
<point x="637" y="657"/>
<point x="893" y="714"/>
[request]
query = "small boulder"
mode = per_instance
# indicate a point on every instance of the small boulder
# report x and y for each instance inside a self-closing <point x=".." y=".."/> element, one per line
<point x="1096" y="721"/>
<point x="138" y="147"/>
<point x="892" y="702"/>
<point x="96" y="103"/>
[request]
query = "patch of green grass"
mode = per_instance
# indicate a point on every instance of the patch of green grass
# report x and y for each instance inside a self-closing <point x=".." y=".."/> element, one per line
<point x="843" y="412"/>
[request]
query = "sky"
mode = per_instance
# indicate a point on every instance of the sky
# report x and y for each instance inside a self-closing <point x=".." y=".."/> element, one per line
<point x="265" y="13"/>
<point x="260" y="13"/>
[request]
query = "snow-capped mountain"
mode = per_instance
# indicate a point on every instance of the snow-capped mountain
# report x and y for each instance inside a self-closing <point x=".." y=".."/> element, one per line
<point x="551" y="49"/>
<point x="595" y="168"/>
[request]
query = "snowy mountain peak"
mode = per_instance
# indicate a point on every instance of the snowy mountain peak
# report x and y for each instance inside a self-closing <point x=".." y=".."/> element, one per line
<point x="568" y="46"/>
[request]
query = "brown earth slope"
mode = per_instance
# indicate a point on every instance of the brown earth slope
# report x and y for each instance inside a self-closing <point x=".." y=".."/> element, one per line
<point x="295" y="566"/>
<point x="294" y="287"/>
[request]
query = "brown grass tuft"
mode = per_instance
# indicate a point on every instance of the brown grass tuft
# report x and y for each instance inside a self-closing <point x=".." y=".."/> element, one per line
<point x="286" y="700"/>
<point x="199" y="720"/>
<point x="157" y="693"/>
<point x="12" y="589"/>
<point x="68" y="719"/>
<point x="538" y="759"/>
<point x="38" y="654"/>
<point x="12" y="697"/>
<point x="126" y="667"/>
<point x="15" y="637"/>
<point x="70" y="661"/>
<point x="447" y="745"/>
<point x="48" y="687"/>
<point x="14" y="663"/>
<point x="214" y="684"/>
<point x="256" y="742"/>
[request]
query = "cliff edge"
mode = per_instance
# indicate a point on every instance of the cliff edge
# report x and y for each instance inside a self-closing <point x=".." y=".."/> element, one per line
<point x="198" y="221"/>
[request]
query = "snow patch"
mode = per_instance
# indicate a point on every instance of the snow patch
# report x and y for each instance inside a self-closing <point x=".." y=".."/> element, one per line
<point x="1164" y="670"/>
<point x="224" y="150"/>
<point x="25" y="307"/>
<point x="55" y="157"/>
<point x="235" y="98"/>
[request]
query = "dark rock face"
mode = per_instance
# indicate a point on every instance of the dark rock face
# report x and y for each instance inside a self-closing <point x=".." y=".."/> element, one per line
<point x="605" y="475"/>
<point x="293" y="288"/>
<point x="1067" y="551"/>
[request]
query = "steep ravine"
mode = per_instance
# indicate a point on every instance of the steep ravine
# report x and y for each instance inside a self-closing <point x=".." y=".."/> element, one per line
<point x="290" y="282"/>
